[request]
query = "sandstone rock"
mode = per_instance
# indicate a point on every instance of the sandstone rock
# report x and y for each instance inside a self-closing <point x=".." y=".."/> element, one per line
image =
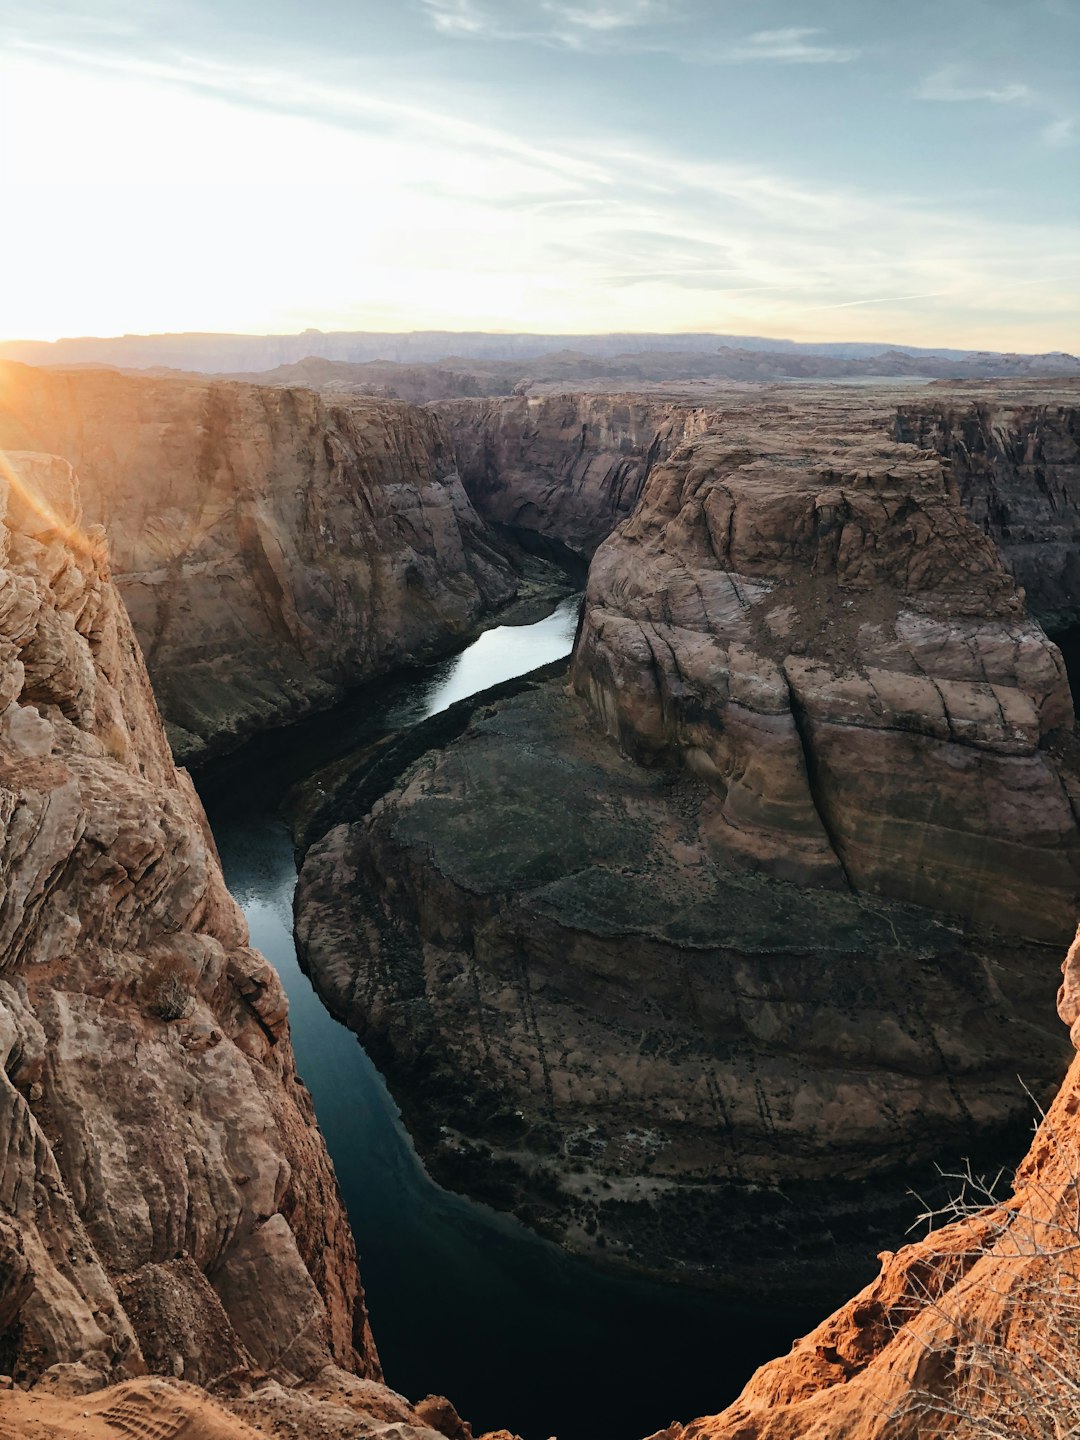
<point x="1016" y="465"/>
<point x="564" y="468"/>
<point x="271" y="547"/>
<point x="901" y="750"/>
<point x="696" y="967"/>
<point x="144" y="1174"/>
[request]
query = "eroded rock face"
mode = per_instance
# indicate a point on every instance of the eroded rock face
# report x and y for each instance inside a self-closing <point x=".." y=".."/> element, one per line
<point x="270" y="546"/>
<point x="565" y="468"/>
<point x="165" y="1196"/>
<point x="968" y="1329"/>
<point x="696" y="966"/>
<point x="1017" y="467"/>
<point x="814" y="629"/>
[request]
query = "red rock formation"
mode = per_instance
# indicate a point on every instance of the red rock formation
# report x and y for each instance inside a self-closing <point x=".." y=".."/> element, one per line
<point x="565" y="468"/>
<point x="156" y="1134"/>
<point x="975" y="1323"/>
<point x="166" y="1199"/>
<point x="771" y="900"/>
<point x="812" y="627"/>
<point x="270" y="547"/>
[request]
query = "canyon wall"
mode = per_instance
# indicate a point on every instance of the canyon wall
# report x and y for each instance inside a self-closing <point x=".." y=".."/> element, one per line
<point x="1016" y="465"/>
<point x="969" y="1331"/>
<point x="166" y="1200"/>
<point x="696" y="966"/>
<point x="565" y="468"/>
<point x="270" y="547"/>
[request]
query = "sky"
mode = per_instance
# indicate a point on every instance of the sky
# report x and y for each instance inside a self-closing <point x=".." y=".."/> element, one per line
<point x="883" y="170"/>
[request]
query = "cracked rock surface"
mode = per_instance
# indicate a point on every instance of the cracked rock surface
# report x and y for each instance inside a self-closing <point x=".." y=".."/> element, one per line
<point x="714" y="949"/>
<point x="166" y="1200"/>
<point x="271" y="546"/>
<point x="565" y="468"/>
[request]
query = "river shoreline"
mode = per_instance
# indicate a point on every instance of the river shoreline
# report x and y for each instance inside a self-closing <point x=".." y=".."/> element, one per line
<point x="465" y="1299"/>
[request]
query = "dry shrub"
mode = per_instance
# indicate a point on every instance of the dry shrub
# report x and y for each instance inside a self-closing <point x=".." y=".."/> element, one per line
<point x="1002" y="1356"/>
<point x="167" y="989"/>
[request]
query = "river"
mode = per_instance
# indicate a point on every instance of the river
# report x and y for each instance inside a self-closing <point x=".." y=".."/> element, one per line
<point x="464" y="1301"/>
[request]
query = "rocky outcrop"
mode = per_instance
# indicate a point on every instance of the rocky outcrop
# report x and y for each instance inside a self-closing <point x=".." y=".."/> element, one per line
<point x="166" y="1200"/>
<point x="161" y="1154"/>
<point x="1017" y="468"/>
<point x="336" y="1406"/>
<point x="270" y="547"/>
<point x="969" y="1331"/>
<point x="564" y="468"/>
<point x="813" y="628"/>
<point x="697" y="966"/>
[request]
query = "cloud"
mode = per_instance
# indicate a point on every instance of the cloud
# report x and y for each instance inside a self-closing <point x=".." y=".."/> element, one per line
<point x="951" y="85"/>
<point x="948" y="84"/>
<point x="553" y="22"/>
<point x="1061" y="131"/>
<point x="443" y="219"/>
<point x="793" y="46"/>
<point x="632" y="26"/>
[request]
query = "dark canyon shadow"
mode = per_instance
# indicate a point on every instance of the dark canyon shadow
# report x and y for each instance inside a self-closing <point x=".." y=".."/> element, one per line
<point x="463" y="1300"/>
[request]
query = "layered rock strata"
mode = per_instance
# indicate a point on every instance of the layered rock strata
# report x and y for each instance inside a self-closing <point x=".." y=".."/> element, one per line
<point x="969" y="1331"/>
<point x="166" y="1200"/>
<point x="564" y="468"/>
<point x="1016" y="465"/>
<point x="271" y="547"/>
<point x="767" y="903"/>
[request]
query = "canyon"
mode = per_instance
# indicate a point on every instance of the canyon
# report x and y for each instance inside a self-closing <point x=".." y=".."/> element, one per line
<point x="563" y="470"/>
<point x="767" y="901"/>
<point x="168" y="1203"/>
<point x="694" y="954"/>
<point x="271" y="548"/>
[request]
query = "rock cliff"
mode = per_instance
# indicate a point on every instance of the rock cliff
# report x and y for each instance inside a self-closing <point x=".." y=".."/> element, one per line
<point x="1016" y="464"/>
<point x="969" y="1331"/>
<point x="166" y="1200"/>
<point x="270" y="547"/>
<point x="564" y="468"/>
<point x="719" y="949"/>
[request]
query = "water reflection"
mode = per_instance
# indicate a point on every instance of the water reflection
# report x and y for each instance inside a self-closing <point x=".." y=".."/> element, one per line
<point x="497" y="655"/>
<point x="464" y="1301"/>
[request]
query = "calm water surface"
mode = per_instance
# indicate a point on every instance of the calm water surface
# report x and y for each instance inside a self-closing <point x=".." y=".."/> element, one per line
<point x="464" y="1301"/>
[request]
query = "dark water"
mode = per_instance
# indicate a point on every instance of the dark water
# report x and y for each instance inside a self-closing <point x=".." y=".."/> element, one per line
<point x="464" y="1301"/>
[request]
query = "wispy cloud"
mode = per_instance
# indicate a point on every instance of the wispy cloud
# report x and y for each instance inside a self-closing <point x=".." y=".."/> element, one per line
<point x="793" y="46"/>
<point x="948" y="84"/>
<point x="633" y="26"/>
<point x="454" y="211"/>
<point x="550" y="21"/>
<point x="952" y="84"/>
<point x="1061" y="131"/>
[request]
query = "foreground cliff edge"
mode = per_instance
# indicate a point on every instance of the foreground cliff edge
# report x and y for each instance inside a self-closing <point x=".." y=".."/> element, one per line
<point x="166" y="1200"/>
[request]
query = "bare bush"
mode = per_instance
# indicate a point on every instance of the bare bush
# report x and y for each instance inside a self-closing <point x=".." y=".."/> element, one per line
<point x="1001" y="1354"/>
<point x="167" y="990"/>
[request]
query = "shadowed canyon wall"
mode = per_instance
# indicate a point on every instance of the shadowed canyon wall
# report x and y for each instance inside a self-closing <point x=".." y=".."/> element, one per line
<point x="564" y="468"/>
<point x="270" y="547"/>
<point x="772" y="900"/>
<point x="970" y="1331"/>
<point x="1017" y="468"/>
